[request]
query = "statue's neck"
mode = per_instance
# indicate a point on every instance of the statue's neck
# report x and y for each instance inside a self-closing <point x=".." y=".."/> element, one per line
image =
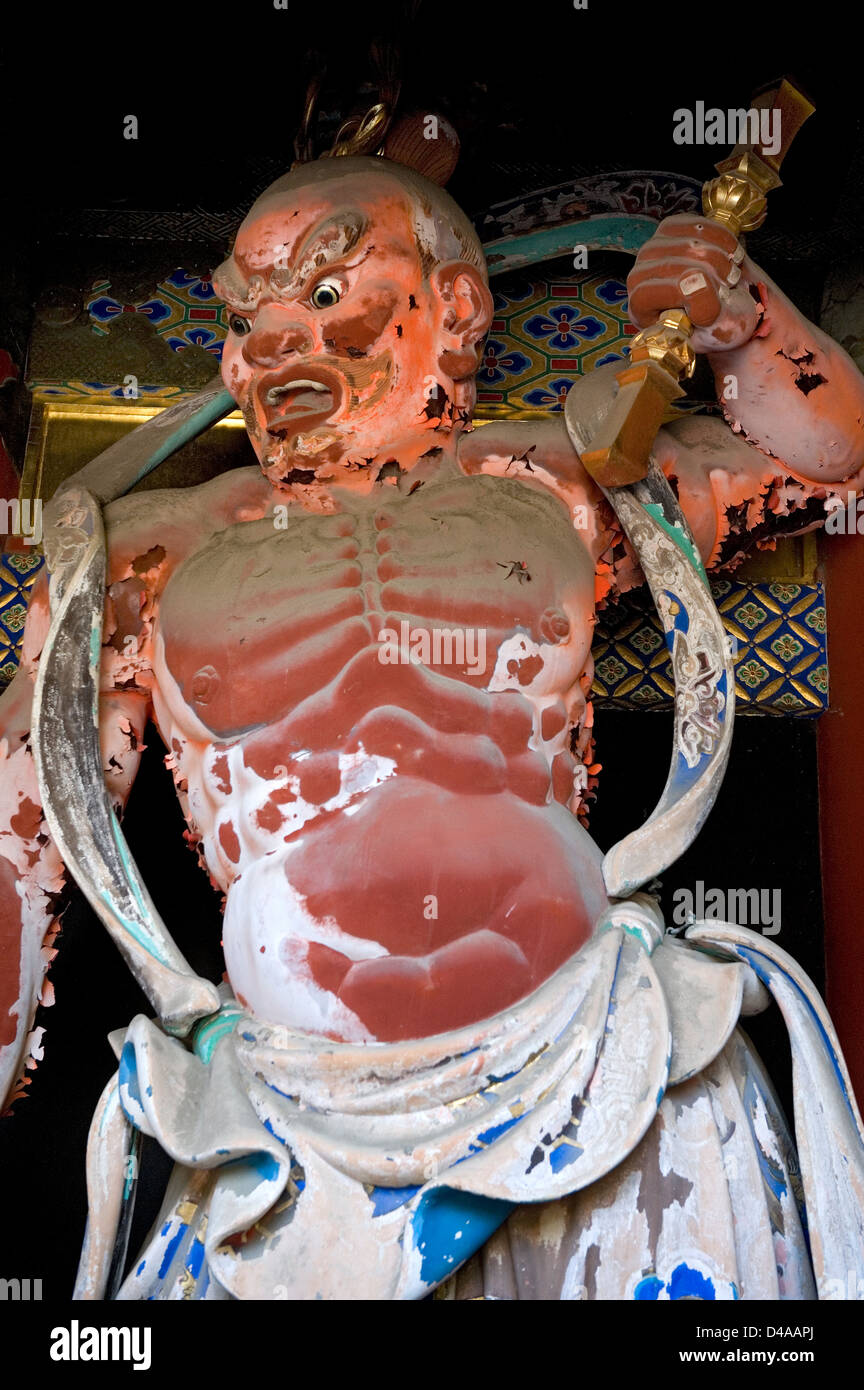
<point x="401" y="468"/>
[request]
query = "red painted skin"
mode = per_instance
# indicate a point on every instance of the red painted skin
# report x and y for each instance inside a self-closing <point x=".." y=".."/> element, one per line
<point x="397" y="842"/>
<point x="286" y="625"/>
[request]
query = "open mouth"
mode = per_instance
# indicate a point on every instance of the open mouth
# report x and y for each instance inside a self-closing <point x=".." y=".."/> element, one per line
<point x="297" y="405"/>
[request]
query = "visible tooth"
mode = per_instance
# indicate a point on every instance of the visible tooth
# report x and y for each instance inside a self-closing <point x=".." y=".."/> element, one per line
<point x="299" y="382"/>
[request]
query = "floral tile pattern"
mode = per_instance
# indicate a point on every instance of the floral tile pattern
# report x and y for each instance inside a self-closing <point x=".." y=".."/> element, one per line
<point x="545" y="333"/>
<point x="17" y="573"/>
<point x="183" y="310"/>
<point x="779" y="632"/>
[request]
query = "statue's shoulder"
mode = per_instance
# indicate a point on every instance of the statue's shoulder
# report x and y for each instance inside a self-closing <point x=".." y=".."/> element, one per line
<point x="535" y="450"/>
<point x="177" y="520"/>
<point x="540" y="454"/>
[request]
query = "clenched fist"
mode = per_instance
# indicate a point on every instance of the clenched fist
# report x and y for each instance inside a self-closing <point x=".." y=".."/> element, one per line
<point x="693" y="264"/>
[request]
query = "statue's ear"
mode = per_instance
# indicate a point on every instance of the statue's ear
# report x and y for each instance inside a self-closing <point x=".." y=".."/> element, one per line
<point x="467" y="313"/>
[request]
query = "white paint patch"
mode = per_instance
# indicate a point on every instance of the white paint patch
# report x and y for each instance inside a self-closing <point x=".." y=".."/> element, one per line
<point x="267" y="927"/>
<point x="762" y="1130"/>
<point x="267" y="934"/>
<point x="559" y="672"/>
<point x="208" y="808"/>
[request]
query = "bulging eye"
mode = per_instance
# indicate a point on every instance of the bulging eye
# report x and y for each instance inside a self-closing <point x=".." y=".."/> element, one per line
<point x="239" y="325"/>
<point x="326" y="293"/>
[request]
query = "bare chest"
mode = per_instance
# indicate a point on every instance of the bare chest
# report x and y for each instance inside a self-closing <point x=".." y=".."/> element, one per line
<point x="447" y="573"/>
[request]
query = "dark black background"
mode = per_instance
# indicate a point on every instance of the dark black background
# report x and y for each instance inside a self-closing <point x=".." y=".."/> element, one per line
<point x="539" y="94"/>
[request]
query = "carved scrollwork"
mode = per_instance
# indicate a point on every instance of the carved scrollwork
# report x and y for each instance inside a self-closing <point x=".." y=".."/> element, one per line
<point x="699" y="702"/>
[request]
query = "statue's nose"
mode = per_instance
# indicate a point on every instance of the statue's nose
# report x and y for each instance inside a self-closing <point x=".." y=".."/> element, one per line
<point x="275" y="337"/>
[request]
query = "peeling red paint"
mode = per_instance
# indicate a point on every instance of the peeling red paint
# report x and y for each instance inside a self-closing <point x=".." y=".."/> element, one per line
<point x="229" y="841"/>
<point x="418" y="815"/>
<point x="27" y="819"/>
<point x="526" y="669"/>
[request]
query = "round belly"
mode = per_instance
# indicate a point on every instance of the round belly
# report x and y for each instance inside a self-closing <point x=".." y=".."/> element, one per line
<point x="416" y="911"/>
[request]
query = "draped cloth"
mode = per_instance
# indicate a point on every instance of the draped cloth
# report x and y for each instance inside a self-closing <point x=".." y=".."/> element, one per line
<point x="613" y="1136"/>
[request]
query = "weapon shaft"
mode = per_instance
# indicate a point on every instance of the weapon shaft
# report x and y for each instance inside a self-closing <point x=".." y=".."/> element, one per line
<point x="618" y="455"/>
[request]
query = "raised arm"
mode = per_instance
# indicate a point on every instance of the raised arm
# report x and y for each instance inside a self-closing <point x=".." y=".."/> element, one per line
<point x="793" y="400"/>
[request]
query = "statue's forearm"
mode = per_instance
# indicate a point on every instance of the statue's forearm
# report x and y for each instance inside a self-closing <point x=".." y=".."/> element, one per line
<point x="793" y="392"/>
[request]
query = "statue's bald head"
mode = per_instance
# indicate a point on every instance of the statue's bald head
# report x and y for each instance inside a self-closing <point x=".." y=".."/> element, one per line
<point x="354" y="185"/>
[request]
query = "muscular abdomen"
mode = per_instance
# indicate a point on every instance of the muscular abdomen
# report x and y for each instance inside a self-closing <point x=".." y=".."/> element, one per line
<point x="390" y="831"/>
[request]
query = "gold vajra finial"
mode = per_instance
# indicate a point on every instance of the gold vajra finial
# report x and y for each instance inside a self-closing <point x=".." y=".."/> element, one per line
<point x="667" y="342"/>
<point x="737" y="197"/>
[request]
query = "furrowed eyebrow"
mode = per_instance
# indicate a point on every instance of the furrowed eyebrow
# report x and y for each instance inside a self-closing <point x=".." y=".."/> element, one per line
<point x="231" y="285"/>
<point x="327" y="243"/>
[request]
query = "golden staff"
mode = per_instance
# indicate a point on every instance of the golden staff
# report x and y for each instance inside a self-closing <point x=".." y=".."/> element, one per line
<point x="661" y="356"/>
<point x="616" y="450"/>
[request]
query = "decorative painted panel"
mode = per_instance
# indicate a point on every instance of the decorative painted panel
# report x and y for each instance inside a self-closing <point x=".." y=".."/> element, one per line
<point x="545" y="332"/>
<point x="17" y="574"/>
<point x="779" y="632"/>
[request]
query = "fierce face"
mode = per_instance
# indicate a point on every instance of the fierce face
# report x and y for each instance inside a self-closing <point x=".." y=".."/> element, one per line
<point x="349" y="344"/>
